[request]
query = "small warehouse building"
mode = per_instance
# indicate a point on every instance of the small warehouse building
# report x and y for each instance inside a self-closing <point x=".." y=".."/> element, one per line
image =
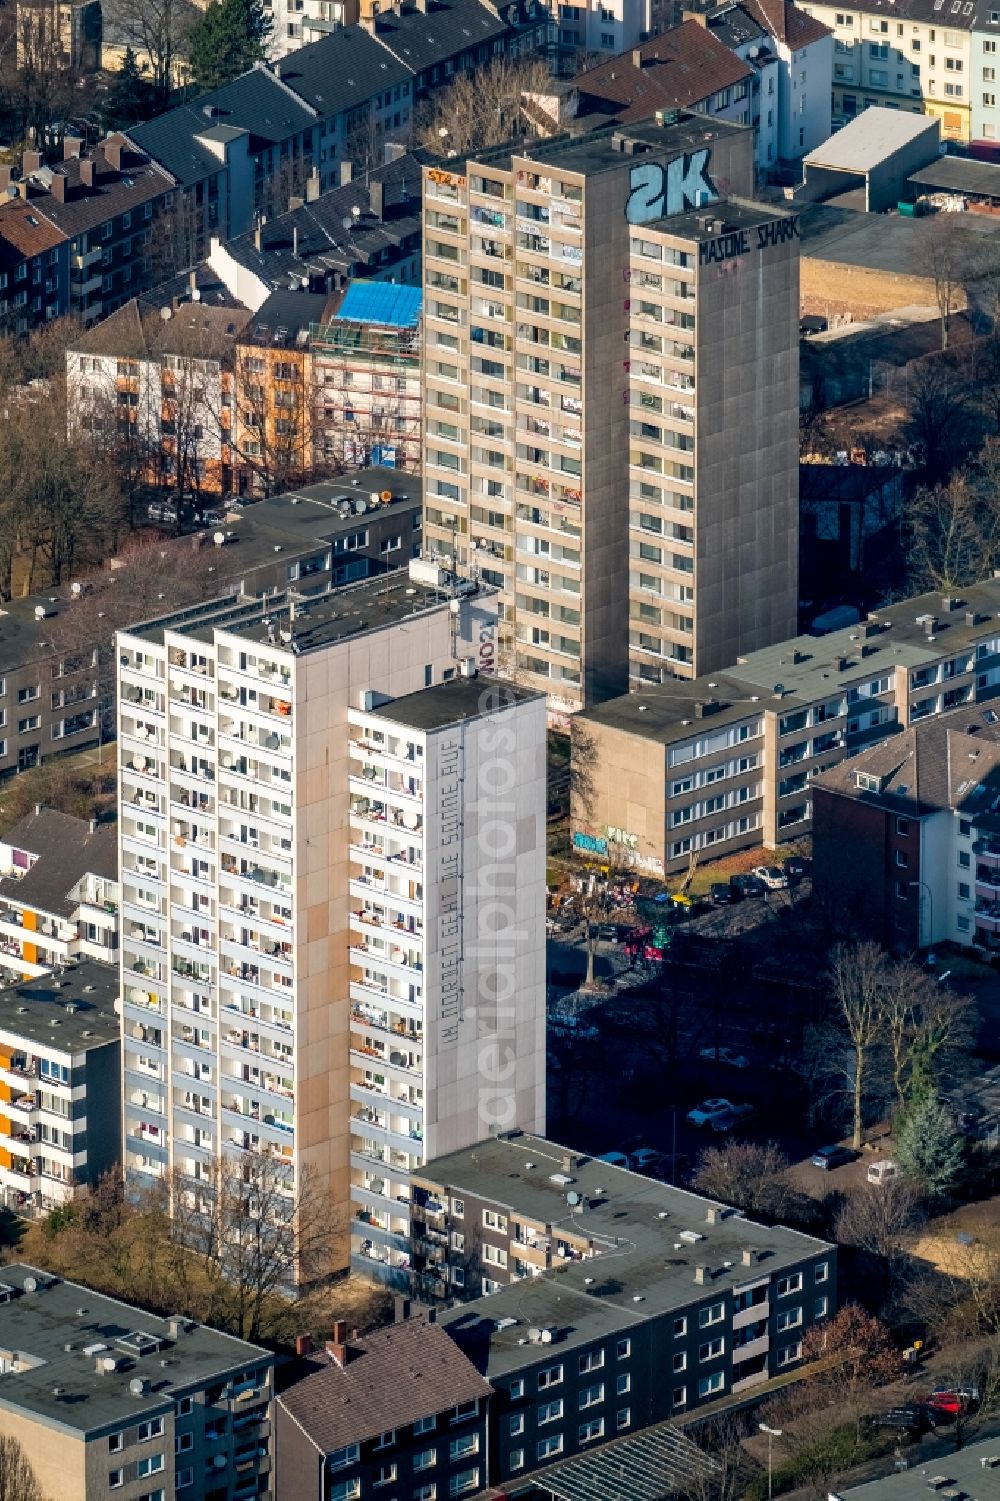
<point x="867" y="164"/>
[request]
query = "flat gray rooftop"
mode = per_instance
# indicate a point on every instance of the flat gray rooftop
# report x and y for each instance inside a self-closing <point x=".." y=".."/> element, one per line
<point x="731" y="214"/>
<point x="872" y="137"/>
<point x="62" y="1386"/>
<point x="648" y="1238"/>
<point x="807" y="668"/>
<point x="961" y="1473"/>
<point x="879" y="242"/>
<point x="73" y="1010"/>
<point x="954" y="174"/>
<point x="599" y="150"/>
<point x="451" y="703"/>
<point x="303" y="625"/>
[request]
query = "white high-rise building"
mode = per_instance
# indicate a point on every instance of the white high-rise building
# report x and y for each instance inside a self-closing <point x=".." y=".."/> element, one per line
<point x="301" y="963"/>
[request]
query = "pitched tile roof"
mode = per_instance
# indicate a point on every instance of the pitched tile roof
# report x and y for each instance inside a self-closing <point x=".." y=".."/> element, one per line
<point x="437" y="30"/>
<point x="25" y="231"/>
<point x="256" y="102"/>
<point x="679" y="69"/>
<point x="138" y="329"/>
<point x="785" y="21"/>
<point x="734" y="25"/>
<point x="114" y="189"/>
<point x="67" y="849"/>
<point x="393" y="1378"/>
<point x="342" y="70"/>
<point x="324" y="244"/>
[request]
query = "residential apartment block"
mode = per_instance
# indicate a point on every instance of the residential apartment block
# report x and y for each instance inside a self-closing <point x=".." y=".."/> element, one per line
<point x="108" y="1400"/>
<point x="917" y="55"/>
<point x="366" y="378"/>
<point x="615" y="1302"/>
<point x="60" y="1085"/>
<point x="916" y="816"/>
<point x="58" y="893"/>
<point x="728" y="762"/>
<point x="652" y="534"/>
<point x="352" y="1424"/>
<point x="291" y="981"/>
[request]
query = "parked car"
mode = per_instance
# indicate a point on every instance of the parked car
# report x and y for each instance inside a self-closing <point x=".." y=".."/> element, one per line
<point x="646" y="1160"/>
<point x="728" y="1056"/>
<point x="831" y="1157"/>
<point x="162" y="510"/>
<point x="952" y="1403"/>
<point x="721" y="894"/>
<point x="742" y="886"/>
<point x="884" y="1171"/>
<point x="772" y="877"/>
<point x="912" y="1418"/>
<point x="796" y="868"/>
<point x="212" y="518"/>
<point x="709" y="1111"/>
<point x="736" y="1115"/>
<point x="607" y="933"/>
<point x="616" y="1159"/>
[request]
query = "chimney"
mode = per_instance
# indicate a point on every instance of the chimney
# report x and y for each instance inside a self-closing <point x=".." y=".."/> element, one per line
<point x="375" y="199"/>
<point x="748" y="1256"/>
<point x="87" y="171"/>
<point x="295" y="241"/>
<point x="431" y="1315"/>
<point x="30" y="162"/>
<point x="694" y="15"/>
<point x="368" y="22"/>
<point x="393" y="151"/>
<point x="712" y="1215"/>
<point x="336" y="1347"/>
<point x="5" y="175"/>
<point x="58" y="187"/>
<point x="192" y="283"/>
<point x="258" y="237"/>
<point x="567" y="1163"/>
<point x="113" y="152"/>
<point x="700" y="1273"/>
<point x="92" y="826"/>
<point x="295" y="201"/>
<point x="303" y="1344"/>
<point x="345" y="173"/>
<point x="420" y="6"/>
<point x="312" y="186"/>
<point x="637" y="57"/>
<point x="72" y="146"/>
<point x="401" y="1309"/>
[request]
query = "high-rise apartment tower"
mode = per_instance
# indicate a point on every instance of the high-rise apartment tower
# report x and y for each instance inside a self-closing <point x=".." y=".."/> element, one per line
<point x="611" y="400"/>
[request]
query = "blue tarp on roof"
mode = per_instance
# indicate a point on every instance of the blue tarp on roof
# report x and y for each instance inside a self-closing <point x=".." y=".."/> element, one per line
<point x="381" y="302"/>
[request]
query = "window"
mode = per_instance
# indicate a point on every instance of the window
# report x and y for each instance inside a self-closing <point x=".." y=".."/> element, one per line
<point x="712" y="1349"/>
<point x="709" y="1385"/>
<point x="712" y="1313"/>
<point x="425" y="1425"/>
<point x="115" y="1479"/>
<point x="791" y="1318"/>
<point x="494" y="1221"/>
<point x="590" y="1396"/>
<point x="150" y="1464"/>
<point x="385" y="1440"/>
<point x="963" y="891"/>
<point x="516" y="1460"/>
<point x="185" y="1406"/>
<point x="680" y="1396"/>
<point x="821" y="1308"/>
<point x="964" y="859"/>
<point x="515" y="1424"/>
<point x="592" y="1361"/>
<point x="623" y="1384"/>
<point x="386" y="1475"/>
<point x="152" y="1428"/>
<point x="789" y="1353"/>
<point x="340" y="1459"/>
<point x="588" y="1432"/>
<point x="346" y="1490"/>
<point x="458" y="1208"/>
<point x="183" y="1442"/>
<point x="902" y="826"/>
<point x="424" y="1459"/>
<point x="549" y="1446"/>
<point x="624" y="1349"/>
<point x="494" y="1255"/>
<point x="822" y="1272"/>
<point x="116" y="1442"/>
<point x="624" y="1418"/>
<point x="550" y="1412"/>
<point x="183" y="1478"/>
<point x="791" y="1284"/>
<point x="551" y="1376"/>
<point x="680" y="1328"/>
<point x="517" y="1389"/>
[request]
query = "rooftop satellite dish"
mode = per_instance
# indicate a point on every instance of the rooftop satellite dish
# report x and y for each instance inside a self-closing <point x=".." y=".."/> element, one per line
<point x="347" y="223"/>
<point x="356" y="211"/>
<point x="534" y="1335"/>
<point x="166" y="314"/>
<point x="137" y="1386"/>
<point x="572" y="1198"/>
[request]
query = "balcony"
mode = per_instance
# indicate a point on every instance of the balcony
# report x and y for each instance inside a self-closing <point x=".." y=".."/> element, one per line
<point x="744" y="1317"/>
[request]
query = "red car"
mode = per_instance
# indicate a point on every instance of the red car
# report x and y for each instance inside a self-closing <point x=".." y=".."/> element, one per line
<point x="951" y="1404"/>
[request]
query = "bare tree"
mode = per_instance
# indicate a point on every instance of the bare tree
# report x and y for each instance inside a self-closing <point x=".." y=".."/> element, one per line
<point x="273" y="436"/>
<point x="484" y="108"/>
<point x="941" y="255"/>
<point x="18" y="1481"/>
<point x="158" y="31"/>
<point x="939" y="420"/>
<point x="857" y="977"/>
<point x="748" y="1175"/>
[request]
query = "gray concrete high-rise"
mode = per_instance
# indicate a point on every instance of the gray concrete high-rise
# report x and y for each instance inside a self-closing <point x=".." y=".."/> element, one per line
<point x="611" y="401"/>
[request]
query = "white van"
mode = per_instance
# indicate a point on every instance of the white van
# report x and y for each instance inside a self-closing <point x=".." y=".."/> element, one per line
<point x="883" y="1172"/>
